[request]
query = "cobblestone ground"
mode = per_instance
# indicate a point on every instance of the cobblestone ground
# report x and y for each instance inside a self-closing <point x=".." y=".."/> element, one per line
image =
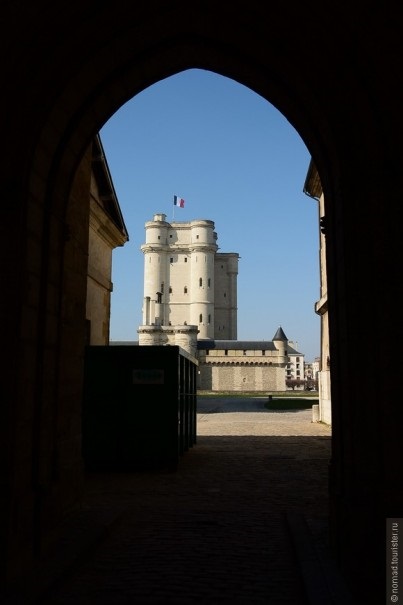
<point x="215" y="531"/>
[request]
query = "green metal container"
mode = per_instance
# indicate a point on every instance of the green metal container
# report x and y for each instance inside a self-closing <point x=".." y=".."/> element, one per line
<point x="139" y="407"/>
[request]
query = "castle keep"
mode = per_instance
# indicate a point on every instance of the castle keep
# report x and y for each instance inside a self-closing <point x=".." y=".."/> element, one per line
<point x="190" y="289"/>
<point x="190" y="300"/>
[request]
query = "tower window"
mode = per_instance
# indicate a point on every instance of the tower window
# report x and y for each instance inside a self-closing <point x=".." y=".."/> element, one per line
<point x="200" y="318"/>
<point x="186" y="259"/>
<point x="226" y="352"/>
<point x="209" y="282"/>
<point x="162" y="288"/>
<point x="185" y="290"/>
<point x="159" y="237"/>
<point x="197" y="236"/>
<point x="170" y="289"/>
<point x="263" y="352"/>
<point x="209" y="319"/>
<point x="171" y="260"/>
<point x="170" y="235"/>
<point x="200" y="282"/>
<point x="225" y="295"/>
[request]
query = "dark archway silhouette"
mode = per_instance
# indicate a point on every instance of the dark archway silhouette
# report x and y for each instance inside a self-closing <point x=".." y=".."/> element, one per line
<point x="69" y="67"/>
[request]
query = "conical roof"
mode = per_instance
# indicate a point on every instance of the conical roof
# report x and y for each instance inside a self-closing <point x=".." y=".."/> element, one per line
<point x="279" y="335"/>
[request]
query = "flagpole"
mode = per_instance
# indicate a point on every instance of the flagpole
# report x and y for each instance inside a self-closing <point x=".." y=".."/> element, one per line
<point x="173" y="209"/>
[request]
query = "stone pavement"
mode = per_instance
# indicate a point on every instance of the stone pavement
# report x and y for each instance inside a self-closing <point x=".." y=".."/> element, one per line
<point x="243" y="520"/>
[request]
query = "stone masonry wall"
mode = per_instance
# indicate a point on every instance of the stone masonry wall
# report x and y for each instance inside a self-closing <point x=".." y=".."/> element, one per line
<point x="241" y="378"/>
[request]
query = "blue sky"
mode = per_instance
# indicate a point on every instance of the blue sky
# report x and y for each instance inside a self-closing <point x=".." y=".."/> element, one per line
<point x="237" y="161"/>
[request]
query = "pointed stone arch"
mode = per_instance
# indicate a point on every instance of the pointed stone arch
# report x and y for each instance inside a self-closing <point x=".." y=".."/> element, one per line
<point x="337" y="96"/>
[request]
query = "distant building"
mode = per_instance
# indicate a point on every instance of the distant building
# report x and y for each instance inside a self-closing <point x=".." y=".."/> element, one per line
<point x="308" y="371"/>
<point x="190" y="300"/>
<point x="295" y="368"/>
<point x="316" y="368"/>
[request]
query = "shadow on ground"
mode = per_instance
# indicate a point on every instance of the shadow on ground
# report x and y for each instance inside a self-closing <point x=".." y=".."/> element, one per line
<point x="219" y="529"/>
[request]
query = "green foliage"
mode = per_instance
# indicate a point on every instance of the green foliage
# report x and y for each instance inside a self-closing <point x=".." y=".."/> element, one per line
<point x="283" y="403"/>
<point x="287" y="400"/>
<point x="275" y="395"/>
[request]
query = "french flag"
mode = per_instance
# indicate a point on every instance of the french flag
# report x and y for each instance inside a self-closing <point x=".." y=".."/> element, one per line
<point x="178" y="201"/>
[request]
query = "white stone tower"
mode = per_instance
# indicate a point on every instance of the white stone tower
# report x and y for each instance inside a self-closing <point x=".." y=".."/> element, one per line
<point x="156" y="276"/>
<point x="187" y="283"/>
<point x="226" y="296"/>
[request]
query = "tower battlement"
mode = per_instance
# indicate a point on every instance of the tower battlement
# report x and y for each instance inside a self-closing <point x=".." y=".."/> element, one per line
<point x="186" y="281"/>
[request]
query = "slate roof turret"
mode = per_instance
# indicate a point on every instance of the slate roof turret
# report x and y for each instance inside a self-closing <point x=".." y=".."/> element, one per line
<point x="279" y="335"/>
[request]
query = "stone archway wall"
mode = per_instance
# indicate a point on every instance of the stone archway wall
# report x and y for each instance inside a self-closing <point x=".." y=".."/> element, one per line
<point x="71" y="66"/>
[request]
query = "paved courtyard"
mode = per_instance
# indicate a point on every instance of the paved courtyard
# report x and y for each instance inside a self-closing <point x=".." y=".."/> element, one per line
<point x="248" y="416"/>
<point x="227" y="527"/>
